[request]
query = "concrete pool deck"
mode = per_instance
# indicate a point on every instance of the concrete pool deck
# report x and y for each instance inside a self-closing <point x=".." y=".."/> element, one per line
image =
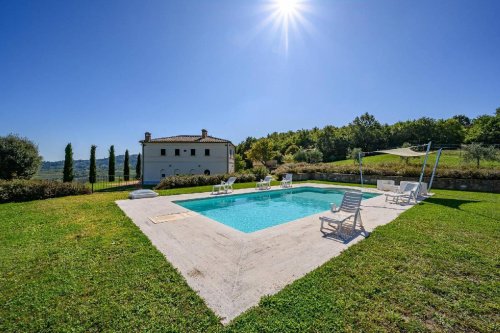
<point x="232" y="270"/>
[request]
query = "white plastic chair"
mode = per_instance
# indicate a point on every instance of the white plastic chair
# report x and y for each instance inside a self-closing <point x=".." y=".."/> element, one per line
<point x="224" y="186"/>
<point x="264" y="184"/>
<point x="410" y="191"/>
<point x="349" y="209"/>
<point x="287" y="180"/>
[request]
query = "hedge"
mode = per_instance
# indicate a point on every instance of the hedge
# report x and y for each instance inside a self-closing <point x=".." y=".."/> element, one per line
<point x="388" y="169"/>
<point x="27" y="190"/>
<point x="200" y="180"/>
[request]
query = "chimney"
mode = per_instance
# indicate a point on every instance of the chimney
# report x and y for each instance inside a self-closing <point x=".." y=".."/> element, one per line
<point x="204" y="133"/>
<point x="147" y="137"/>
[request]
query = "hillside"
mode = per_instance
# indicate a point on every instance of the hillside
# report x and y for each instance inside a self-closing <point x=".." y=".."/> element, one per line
<point x="54" y="170"/>
<point x="449" y="158"/>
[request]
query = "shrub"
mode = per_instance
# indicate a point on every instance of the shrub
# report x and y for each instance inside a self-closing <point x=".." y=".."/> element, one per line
<point x="260" y="172"/>
<point x="19" y="158"/>
<point x="27" y="190"/>
<point x="201" y="180"/>
<point x="389" y="169"/>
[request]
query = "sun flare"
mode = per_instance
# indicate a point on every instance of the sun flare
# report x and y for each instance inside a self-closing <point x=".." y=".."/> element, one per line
<point x="287" y="7"/>
<point x="286" y="16"/>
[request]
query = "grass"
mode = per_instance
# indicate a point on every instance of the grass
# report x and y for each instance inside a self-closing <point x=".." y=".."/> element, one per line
<point x="449" y="158"/>
<point x="79" y="264"/>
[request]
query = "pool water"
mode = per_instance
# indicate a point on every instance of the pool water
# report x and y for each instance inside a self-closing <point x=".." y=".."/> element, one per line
<point x="260" y="210"/>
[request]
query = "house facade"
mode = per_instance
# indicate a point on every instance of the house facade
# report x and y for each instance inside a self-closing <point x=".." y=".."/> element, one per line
<point x="185" y="155"/>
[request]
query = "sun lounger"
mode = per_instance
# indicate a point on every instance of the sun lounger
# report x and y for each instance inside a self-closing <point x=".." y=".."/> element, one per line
<point x="407" y="192"/>
<point x="264" y="184"/>
<point x="349" y="210"/>
<point x="224" y="186"/>
<point x="287" y="180"/>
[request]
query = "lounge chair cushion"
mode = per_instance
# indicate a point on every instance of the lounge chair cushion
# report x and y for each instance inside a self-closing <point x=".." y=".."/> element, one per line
<point x="141" y="194"/>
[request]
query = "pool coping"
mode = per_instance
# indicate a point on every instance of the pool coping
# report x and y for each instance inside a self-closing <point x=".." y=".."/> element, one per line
<point x="231" y="269"/>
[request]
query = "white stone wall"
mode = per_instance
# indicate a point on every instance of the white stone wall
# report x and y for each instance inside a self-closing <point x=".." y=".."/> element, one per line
<point x="155" y="165"/>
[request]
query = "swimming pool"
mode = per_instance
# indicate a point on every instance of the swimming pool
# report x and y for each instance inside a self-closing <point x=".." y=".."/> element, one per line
<point x="260" y="210"/>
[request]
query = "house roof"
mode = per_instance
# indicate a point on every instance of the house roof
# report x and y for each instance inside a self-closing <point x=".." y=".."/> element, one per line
<point x="188" y="139"/>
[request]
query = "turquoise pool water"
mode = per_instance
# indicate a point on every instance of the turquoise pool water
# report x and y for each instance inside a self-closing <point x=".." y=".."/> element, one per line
<point x="260" y="210"/>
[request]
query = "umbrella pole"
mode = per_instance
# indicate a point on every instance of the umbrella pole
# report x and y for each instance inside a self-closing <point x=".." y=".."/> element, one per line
<point x="425" y="162"/>
<point x="435" y="167"/>
<point x="360" y="167"/>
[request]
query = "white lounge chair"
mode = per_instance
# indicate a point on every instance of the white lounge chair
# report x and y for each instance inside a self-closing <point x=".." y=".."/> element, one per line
<point x="287" y="180"/>
<point x="385" y="185"/>
<point x="264" y="184"/>
<point x="349" y="210"/>
<point x="224" y="186"/>
<point x="410" y="191"/>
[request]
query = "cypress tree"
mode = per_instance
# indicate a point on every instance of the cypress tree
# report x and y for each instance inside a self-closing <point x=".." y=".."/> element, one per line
<point x="138" y="167"/>
<point x="111" y="165"/>
<point x="126" y="168"/>
<point x="68" y="164"/>
<point x="93" y="169"/>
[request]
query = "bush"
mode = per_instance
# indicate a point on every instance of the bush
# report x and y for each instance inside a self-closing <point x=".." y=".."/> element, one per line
<point x="389" y="169"/>
<point x="201" y="180"/>
<point x="27" y="190"/>
<point x="19" y="158"/>
<point x="260" y="172"/>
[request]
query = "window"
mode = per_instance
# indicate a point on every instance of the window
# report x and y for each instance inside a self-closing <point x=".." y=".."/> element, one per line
<point x="207" y="152"/>
<point x="177" y="152"/>
<point x="193" y="152"/>
<point x="163" y="152"/>
<point x="230" y="153"/>
<point x="207" y="172"/>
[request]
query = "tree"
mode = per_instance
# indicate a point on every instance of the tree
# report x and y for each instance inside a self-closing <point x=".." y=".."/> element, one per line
<point x="353" y="154"/>
<point x="300" y="156"/>
<point x="138" y="166"/>
<point x="19" y="158"/>
<point x="476" y="152"/>
<point x="333" y="143"/>
<point x="93" y="168"/>
<point x="314" y="156"/>
<point x="292" y="149"/>
<point x="463" y="120"/>
<point x="68" y="164"/>
<point x="262" y="151"/>
<point x="243" y="148"/>
<point x="367" y="133"/>
<point x="111" y="164"/>
<point x="484" y="129"/>
<point x="239" y="164"/>
<point x="449" y="131"/>
<point x="126" y="167"/>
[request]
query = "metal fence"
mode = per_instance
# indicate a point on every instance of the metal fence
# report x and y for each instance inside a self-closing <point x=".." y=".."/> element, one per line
<point x="104" y="183"/>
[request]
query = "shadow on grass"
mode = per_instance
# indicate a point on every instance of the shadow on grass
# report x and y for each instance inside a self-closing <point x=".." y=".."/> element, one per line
<point x="118" y="189"/>
<point x="451" y="203"/>
<point x="456" y="204"/>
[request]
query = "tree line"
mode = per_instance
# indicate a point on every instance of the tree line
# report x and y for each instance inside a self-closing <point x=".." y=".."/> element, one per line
<point x="20" y="159"/>
<point x="68" y="160"/>
<point x="365" y="133"/>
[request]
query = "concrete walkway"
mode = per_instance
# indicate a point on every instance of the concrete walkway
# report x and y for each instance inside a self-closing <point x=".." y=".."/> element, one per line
<point x="232" y="270"/>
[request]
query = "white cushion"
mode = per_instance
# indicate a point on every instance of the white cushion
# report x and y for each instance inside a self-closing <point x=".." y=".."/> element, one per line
<point x="140" y="194"/>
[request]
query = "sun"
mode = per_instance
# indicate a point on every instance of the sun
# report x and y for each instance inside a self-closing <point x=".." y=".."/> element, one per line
<point x="284" y="16"/>
<point x="287" y="7"/>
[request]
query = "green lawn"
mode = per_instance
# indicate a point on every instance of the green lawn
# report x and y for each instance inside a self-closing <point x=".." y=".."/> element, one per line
<point x="449" y="158"/>
<point x="79" y="264"/>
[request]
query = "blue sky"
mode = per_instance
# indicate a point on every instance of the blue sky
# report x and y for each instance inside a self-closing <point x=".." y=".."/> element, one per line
<point x="104" y="72"/>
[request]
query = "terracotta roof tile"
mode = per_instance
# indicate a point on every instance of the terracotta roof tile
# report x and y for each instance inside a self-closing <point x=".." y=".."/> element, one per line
<point x="189" y="138"/>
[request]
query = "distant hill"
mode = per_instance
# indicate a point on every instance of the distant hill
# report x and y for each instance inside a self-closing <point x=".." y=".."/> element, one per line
<point x="54" y="170"/>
